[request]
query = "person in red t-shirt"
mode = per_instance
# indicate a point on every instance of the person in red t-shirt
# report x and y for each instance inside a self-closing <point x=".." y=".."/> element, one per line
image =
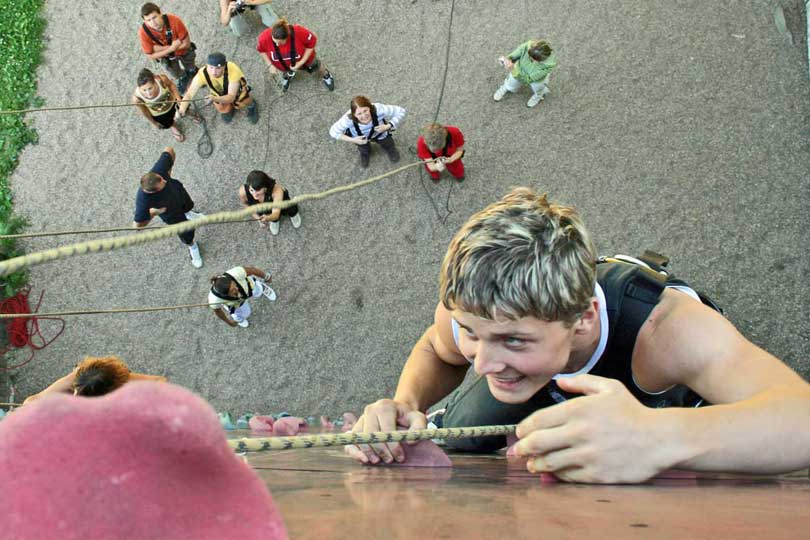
<point x="286" y="48"/>
<point x="165" y="38"/>
<point x="445" y="143"/>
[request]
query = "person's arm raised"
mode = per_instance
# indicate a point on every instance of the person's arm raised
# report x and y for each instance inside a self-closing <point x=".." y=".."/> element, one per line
<point x="757" y="423"/>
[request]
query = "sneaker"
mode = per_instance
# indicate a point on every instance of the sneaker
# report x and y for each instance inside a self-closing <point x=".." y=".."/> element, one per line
<point x="537" y="98"/>
<point x="196" y="259"/>
<point x="285" y="84"/>
<point x="329" y="81"/>
<point x="296" y="220"/>
<point x="244" y="323"/>
<point x="194" y="215"/>
<point x="500" y="93"/>
<point x="274" y="227"/>
<point x="364" y="158"/>
<point x="253" y="113"/>
<point x="269" y="293"/>
<point x="228" y="117"/>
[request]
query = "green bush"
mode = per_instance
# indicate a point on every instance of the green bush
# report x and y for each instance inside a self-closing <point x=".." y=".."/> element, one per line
<point x="21" y="27"/>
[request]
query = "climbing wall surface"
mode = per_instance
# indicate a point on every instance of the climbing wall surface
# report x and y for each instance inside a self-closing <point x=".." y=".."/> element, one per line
<point x="323" y="494"/>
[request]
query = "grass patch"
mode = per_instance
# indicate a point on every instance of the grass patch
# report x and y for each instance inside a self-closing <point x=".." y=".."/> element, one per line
<point x="21" y="27"/>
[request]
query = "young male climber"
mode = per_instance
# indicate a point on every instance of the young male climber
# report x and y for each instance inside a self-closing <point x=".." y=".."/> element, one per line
<point x="604" y="365"/>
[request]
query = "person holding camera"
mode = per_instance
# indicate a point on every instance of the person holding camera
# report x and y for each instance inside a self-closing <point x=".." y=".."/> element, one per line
<point x="165" y="38"/>
<point x="260" y="188"/>
<point x="233" y="13"/>
<point x="229" y="90"/>
<point x="156" y="97"/>
<point x="287" y="48"/>
<point x="368" y="122"/>
<point x="531" y="64"/>
<point x="445" y="143"/>
<point x="231" y="291"/>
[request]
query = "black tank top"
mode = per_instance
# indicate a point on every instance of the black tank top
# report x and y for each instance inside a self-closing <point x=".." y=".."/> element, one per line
<point x="631" y="293"/>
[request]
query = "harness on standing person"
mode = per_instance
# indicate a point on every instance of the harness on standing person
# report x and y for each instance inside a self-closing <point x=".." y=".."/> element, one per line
<point x="243" y="294"/>
<point x="374" y="123"/>
<point x="169" y="35"/>
<point x="242" y="85"/>
<point x="293" y="53"/>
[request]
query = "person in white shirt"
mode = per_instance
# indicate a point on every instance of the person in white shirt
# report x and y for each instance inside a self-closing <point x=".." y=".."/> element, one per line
<point x="231" y="291"/>
<point x="368" y="122"/>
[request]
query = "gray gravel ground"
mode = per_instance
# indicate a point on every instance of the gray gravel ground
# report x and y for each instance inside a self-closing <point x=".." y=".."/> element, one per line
<point x="677" y="126"/>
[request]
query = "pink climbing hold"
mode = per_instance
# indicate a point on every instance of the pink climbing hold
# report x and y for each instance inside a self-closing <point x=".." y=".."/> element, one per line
<point x="511" y="441"/>
<point x="349" y="420"/>
<point x="288" y="426"/>
<point x="326" y="425"/>
<point x="261" y="423"/>
<point x="422" y="454"/>
<point x="149" y="460"/>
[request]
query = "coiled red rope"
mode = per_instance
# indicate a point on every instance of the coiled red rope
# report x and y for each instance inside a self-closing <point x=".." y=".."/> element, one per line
<point x="26" y="331"/>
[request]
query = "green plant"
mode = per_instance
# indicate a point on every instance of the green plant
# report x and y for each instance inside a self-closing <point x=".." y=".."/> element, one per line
<point x="21" y="27"/>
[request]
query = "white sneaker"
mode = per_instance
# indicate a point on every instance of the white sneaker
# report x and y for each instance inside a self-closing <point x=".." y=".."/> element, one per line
<point x="274" y="228"/>
<point x="269" y="293"/>
<point x="500" y="93"/>
<point x="536" y="98"/>
<point x="194" y="215"/>
<point x="243" y="324"/>
<point x="196" y="259"/>
<point x="296" y="220"/>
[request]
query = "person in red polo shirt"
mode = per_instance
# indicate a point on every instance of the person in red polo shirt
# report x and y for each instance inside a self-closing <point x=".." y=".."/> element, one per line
<point x="445" y="143"/>
<point x="287" y="48"/>
<point x="165" y="38"/>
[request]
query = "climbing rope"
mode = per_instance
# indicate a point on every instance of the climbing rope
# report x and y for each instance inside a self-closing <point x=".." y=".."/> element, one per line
<point x="109" y="244"/>
<point x="14" y="315"/>
<point x="112" y="229"/>
<point x="20" y="331"/>
<point x="263" y="444"/>
<point x="102" y="106"/>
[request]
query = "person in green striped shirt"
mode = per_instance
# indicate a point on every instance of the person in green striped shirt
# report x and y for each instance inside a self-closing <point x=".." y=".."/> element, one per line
<point x="531" y="63"/>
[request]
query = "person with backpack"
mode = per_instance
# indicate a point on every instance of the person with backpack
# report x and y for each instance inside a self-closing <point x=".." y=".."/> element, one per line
<point x="165" y="38"/>
<point x="231" y="292"/>
<point x="228" y="89"/>
<point x="445" y="143"/>
<point x="614" y="372"/>
<point x="368" y="122"/>
<point x="288" y="48"/>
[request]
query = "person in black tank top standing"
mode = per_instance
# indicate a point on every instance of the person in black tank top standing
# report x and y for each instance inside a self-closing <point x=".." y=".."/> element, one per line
<point x="260" y="188"/>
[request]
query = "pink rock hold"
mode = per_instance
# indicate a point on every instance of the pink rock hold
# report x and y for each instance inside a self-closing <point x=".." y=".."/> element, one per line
<point x="349" y="420"/>
<point x="287" y="426"/>
<point x="423" y="454"/>
<point x="511" y="441"/>
<point x="261" y="423"/>
<point x="154" y="453"/>
<point x="326" y="425"/>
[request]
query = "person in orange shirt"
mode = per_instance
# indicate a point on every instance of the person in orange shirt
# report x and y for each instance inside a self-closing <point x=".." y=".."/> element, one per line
<point x="165" y="38"/>
<point x="95" y="376"/>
